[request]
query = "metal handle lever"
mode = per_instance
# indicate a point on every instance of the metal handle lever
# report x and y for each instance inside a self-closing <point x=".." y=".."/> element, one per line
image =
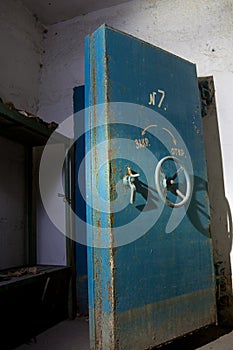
<point x="128" y="180"/>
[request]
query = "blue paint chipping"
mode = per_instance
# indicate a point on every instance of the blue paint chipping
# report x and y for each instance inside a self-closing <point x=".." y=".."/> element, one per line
<point x="157" y="267"/>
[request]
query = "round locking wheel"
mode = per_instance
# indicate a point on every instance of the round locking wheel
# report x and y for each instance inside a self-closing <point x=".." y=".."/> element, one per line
<point x="168" y="186"/>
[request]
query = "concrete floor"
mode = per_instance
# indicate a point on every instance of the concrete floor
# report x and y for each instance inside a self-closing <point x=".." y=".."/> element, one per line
<point x="74" y="335"/>
<point x="67" y="335"/>
<point x="223" y="343"/>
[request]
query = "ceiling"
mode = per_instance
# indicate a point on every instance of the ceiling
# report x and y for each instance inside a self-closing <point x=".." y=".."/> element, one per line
<point x="54" y="11"/>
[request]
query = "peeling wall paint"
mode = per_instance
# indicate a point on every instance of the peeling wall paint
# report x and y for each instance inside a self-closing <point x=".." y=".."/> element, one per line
<point x="20" y="55"/>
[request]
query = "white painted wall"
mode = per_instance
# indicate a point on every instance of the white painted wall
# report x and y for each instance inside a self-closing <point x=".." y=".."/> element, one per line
<point x="51" y="243"/>
<point x="21" y="38"/>
<point x="200" y="31"/>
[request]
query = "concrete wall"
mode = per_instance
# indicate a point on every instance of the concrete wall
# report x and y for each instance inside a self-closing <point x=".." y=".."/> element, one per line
<point x="20" y="55"/>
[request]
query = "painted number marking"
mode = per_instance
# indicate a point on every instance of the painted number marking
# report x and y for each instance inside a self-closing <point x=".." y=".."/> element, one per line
<point x="141" y="143"/>
<point x="177" y="152"/>
<point x="153" y="100"/>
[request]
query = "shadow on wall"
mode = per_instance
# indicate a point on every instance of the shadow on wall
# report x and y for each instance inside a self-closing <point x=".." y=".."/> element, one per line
<point x="221" y="219"/>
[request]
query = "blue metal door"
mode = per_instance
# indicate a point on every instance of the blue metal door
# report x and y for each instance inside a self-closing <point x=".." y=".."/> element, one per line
<point x="150" y="268"/>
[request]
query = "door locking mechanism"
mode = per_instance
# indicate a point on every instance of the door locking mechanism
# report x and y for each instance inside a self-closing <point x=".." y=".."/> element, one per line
<point x="165" y="183"/>
<point x="128" y="180"/>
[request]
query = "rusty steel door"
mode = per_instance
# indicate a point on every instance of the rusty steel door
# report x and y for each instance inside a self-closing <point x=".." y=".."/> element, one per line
<point x="150" y="266"/>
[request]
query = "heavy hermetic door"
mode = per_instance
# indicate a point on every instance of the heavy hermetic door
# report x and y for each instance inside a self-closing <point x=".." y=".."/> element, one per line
<point x="150" y="268"/>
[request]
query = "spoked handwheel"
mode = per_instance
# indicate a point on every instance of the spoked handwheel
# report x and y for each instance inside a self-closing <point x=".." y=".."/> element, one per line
<point x="169" y="183"/>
